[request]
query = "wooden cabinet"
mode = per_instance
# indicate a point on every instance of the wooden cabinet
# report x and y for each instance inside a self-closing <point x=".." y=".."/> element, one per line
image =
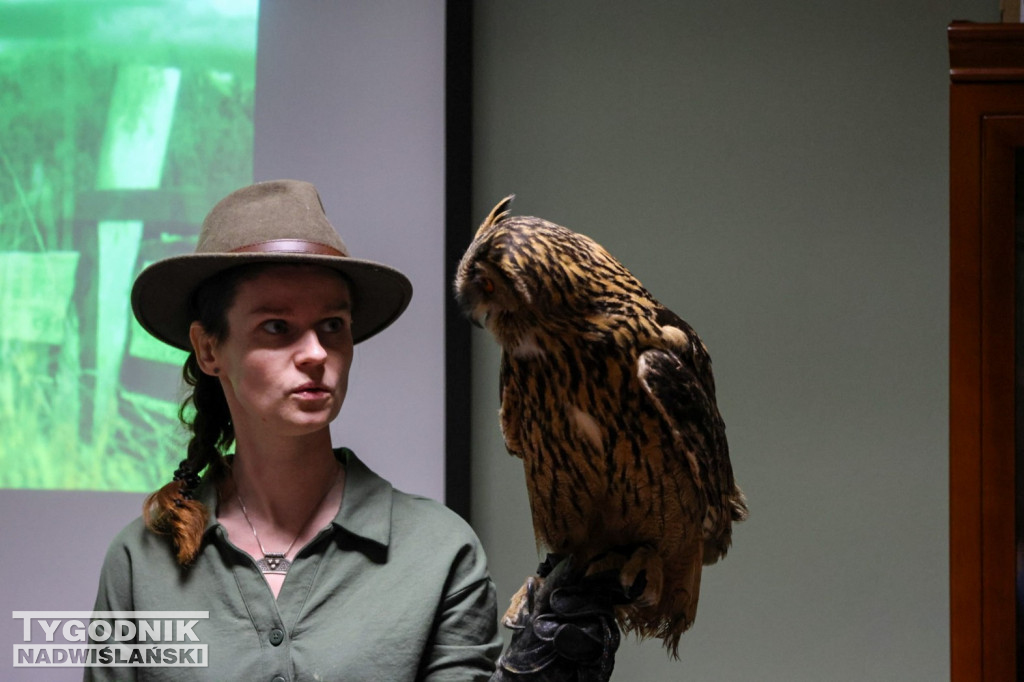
<point x="986" y="208"/>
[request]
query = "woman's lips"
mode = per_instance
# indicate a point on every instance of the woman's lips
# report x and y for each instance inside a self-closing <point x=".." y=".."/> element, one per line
<point x="311" y="391"/>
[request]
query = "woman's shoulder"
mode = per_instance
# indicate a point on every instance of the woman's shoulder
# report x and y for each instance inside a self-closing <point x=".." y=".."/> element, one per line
<point x="437" y="539"/>
<point x="427" y="523"/>
<point x="426" y="510"/>
<point x="131" y="534"/>
<point x="413" y="514"/>
<point x="135" y="541"/>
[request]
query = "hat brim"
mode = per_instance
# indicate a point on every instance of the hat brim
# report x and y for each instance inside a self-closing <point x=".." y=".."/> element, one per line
<point x="161" y="292"/>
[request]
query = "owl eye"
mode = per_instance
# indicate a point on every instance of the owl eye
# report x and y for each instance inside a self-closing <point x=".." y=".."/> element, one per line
<point x="487" y="284"/>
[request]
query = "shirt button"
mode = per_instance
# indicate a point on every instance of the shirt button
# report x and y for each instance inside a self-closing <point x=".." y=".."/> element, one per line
<point x="276" y="637"/>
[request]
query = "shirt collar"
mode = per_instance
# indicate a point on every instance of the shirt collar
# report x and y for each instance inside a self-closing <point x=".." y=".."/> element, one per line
<point x="365" y="505"/>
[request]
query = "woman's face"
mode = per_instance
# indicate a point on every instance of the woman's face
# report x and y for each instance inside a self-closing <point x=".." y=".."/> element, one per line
<point x="285" y="360"/>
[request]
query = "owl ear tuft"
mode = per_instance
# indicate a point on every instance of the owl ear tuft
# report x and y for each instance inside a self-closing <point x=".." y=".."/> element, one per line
<point x="497" y="213"/>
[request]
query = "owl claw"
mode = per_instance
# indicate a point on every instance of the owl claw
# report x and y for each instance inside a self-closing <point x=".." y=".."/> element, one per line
<point x="521" y="604"/>
<point x="642" y="577"/>
<point x="636" y="589"/>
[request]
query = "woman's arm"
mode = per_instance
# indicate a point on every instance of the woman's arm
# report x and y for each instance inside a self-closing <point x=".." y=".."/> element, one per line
<point x="466" y="642"/>
<point x="114" y="594"/>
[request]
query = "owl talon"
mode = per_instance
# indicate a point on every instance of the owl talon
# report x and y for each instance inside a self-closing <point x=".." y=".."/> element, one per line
<point x="521" y="604"/>
<point x="636" y="589"/>
<point x="642" y="577"/>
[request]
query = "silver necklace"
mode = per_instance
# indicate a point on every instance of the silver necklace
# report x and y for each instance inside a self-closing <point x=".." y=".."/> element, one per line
<point x="276" y="562"/>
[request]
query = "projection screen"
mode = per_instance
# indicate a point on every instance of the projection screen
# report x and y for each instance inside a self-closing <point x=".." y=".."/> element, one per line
<point x="122" y="123"/>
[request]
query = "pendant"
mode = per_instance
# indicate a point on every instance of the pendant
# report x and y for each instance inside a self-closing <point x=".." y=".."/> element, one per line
<point x="273" y="563"/>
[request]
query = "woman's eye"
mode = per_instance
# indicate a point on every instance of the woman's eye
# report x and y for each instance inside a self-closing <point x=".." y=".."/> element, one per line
<point x="275" y="326"/>
<point x="334" y="324"/>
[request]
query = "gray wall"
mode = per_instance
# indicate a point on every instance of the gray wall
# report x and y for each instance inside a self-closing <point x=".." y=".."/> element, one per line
<point x="776" y="173"/>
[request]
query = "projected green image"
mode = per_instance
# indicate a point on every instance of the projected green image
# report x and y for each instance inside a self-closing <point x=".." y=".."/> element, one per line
<point x="121" y="123"/>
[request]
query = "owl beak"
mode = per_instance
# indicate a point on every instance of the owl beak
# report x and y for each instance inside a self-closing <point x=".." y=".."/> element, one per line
<point x="472" y="312"/>
<point x="464" y="297"/>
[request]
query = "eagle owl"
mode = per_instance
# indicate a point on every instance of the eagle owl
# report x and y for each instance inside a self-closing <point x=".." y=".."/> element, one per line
<point x="608" y="398"/>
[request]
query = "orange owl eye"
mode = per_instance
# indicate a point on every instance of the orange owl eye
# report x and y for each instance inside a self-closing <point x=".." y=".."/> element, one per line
<point x="487" y="285"/>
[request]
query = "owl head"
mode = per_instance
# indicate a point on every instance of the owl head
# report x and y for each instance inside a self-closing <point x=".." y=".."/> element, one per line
<point x="523" y="274"/>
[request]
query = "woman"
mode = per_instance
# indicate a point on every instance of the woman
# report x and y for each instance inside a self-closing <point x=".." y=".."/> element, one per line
<point x="311" y="567"/>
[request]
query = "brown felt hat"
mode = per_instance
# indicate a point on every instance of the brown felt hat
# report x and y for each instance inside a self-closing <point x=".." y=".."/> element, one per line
<point x="281" y="221"/>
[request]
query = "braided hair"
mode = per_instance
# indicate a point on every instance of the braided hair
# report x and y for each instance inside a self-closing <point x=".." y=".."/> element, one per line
<point x="172" y="510"/>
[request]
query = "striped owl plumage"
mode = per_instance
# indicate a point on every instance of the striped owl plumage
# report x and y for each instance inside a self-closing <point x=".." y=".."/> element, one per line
<point x="608" y="398"/>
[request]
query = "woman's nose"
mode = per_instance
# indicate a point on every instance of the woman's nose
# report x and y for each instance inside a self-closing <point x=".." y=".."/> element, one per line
<point x="310" y="349"/>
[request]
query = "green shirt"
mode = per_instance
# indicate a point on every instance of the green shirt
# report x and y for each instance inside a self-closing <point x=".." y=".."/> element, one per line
<point x="395" y="588"/>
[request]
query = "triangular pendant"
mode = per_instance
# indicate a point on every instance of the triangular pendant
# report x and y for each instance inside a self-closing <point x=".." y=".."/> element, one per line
<point x="273" y="563"/>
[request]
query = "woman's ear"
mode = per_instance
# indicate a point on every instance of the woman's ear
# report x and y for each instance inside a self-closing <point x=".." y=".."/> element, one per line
<point x="205" y="347"/>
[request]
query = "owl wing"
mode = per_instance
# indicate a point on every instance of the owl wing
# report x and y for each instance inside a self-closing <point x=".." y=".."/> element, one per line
<point x="677" y="377"/>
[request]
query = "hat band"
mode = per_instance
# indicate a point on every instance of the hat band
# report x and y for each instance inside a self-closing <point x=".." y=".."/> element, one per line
<point x="290" y="246"/>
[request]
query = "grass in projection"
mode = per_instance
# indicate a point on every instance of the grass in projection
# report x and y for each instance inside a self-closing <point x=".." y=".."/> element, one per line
<point x="122" y="122"/>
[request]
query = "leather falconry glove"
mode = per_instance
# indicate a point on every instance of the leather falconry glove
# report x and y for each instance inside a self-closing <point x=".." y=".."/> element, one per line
<point x="566" y="629"/>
